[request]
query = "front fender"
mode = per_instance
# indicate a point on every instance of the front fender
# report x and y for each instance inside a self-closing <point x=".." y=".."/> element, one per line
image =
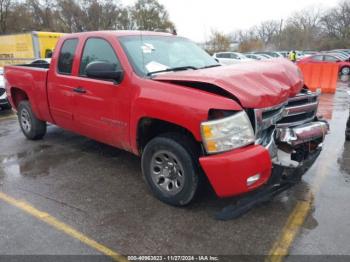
<point x="182" y="106"/>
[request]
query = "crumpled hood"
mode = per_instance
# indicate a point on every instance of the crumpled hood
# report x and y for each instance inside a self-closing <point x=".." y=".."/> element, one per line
<point x="255" y="84"/>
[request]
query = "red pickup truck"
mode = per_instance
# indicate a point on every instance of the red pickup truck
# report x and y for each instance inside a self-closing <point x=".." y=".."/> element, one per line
<point x="163" y="98"/>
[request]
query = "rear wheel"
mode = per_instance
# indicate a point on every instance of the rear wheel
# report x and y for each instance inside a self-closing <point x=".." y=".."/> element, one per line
<point x="32" y="127"/>
<point x="345" y="70"/>
<point x="170" y="169"/>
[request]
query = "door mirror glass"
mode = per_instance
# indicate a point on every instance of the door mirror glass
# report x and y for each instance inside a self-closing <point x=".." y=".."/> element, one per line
<point x="104" y="71"/>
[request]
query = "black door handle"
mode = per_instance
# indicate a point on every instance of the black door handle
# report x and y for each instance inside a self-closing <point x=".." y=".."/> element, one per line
<point x="79" y="90"/>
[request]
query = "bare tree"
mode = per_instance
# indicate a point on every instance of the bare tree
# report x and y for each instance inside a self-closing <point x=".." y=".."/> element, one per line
<point x="267" y="31"/>
<point x="150" y="15"/>
<point x="218" y="42"/>
<point x="4" y="14"/>
<point x="336" y="26"/>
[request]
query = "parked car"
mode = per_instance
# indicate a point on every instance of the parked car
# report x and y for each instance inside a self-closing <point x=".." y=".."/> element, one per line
<point x="229" y="58"/>
<point x="309" y="53"/>
<point x="344" y="56"/>
<point x="344" y="66"/>
<point x="269" y="53"/>
<point x="256" y="56"/>
<point x="4" y="103"/>
<point x="283" y="53"/>
<point x="343" y="50"/>
<point x="166" y="100"/>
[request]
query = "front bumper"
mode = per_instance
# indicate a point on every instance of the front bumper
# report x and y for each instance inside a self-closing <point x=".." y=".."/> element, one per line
<point x="228" y="172"/>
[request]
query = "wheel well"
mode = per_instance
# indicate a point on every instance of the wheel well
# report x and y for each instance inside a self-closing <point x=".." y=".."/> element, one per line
<point x="18" y="95"/>
<point x="149" y="128"/>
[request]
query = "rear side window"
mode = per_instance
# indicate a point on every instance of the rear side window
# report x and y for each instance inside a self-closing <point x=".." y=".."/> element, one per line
<point x="97" y="49"/>
<point x="317" y="58"/>
<point x="66" y="57"/>
<point x="330" y="58"/>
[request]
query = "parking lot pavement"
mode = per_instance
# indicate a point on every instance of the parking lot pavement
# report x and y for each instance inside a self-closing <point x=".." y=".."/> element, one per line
<point x="23" y="235"/>
<point x="99" y="191"/>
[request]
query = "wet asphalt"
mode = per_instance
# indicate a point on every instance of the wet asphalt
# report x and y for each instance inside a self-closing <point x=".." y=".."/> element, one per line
<point x="99" y="190"/>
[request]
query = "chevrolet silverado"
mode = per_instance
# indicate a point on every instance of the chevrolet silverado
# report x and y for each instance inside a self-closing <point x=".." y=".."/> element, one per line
<point x="161" y="97"/>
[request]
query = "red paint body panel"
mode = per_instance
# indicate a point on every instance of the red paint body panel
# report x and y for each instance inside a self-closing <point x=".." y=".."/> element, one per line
<point x="228" y="172"/>
<point x="33" y="82"/>
<point x="111" y="113"/>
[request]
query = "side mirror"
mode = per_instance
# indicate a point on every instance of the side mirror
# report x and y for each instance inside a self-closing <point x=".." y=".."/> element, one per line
<point x="105" y="71"/>
<point x="217" y="60"/>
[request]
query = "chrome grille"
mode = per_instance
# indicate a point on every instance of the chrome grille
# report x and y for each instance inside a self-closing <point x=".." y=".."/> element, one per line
<point x="300" y="109"/>
<point x="267" y="117"/>
<point x="297" y="110"/>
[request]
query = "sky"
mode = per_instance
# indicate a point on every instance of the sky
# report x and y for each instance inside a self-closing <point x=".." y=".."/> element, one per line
<point x="195" y="19"/>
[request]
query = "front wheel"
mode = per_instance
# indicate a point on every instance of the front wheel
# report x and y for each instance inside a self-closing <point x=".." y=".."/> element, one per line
<point x="32" y="127"/>
<point x="345" y="70"/>
<point x="170" y="169"/>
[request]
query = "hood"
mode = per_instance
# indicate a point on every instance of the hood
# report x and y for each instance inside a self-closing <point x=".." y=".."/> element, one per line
<point x="255" y="84"/>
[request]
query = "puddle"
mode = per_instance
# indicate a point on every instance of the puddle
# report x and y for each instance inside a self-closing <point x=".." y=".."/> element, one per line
<point x="37" y="162"/>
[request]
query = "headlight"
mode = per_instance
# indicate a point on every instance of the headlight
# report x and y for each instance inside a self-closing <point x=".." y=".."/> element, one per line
<point x="227" y="133"/>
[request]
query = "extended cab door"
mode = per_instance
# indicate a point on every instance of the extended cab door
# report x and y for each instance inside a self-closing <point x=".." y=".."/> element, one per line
<point x="101" y="107"/>
<point x="60" y="86"/>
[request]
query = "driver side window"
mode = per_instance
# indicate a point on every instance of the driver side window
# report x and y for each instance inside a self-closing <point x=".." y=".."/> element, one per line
<point x="97" y="49"/>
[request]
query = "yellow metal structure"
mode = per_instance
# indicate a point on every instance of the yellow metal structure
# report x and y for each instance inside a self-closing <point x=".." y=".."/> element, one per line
<point x="23" y="48"/>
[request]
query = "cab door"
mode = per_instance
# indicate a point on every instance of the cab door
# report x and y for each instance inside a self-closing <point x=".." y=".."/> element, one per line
<point x="100" y="106"/>
<point x="60" y="86"/>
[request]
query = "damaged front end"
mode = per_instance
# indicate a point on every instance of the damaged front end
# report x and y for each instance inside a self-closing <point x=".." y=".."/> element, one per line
<point x="295" y="140"/>
<point x="293" y="135"/>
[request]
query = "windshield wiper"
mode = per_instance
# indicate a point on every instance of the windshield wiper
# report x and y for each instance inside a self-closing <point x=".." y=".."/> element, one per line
<point x="180" y="68"/>
<point x="209" y="66"/>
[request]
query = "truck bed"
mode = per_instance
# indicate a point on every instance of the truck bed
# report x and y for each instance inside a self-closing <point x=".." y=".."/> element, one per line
<point x="31" y="78"/>
<point x="41" y="65"/>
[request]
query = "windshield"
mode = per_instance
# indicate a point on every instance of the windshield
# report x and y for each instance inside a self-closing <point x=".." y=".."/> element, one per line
<point x="149" y="54"/>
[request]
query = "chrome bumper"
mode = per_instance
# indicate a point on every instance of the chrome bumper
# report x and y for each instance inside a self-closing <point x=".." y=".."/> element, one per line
<point x="302" y="134"/>
<point x="294" y="136"/>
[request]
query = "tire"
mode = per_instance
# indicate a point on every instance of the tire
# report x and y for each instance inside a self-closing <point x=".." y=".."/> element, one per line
<point x="171" y="170"/>
<point x="345" y="70"/>
<point x="32" y="127"/>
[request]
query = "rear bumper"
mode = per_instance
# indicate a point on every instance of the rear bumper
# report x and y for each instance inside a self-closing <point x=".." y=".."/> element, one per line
<point x="228" y="173"/>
